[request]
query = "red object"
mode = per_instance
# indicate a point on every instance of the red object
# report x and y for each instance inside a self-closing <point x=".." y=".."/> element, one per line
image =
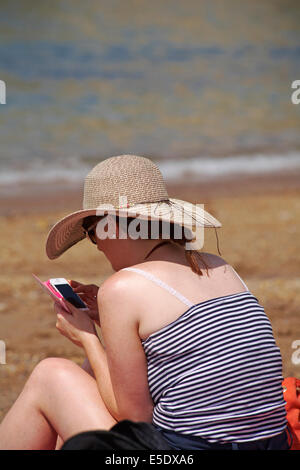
<point x="291" y="394"/>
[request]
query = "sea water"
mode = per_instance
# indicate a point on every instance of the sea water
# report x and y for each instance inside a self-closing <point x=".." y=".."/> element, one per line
<point x="201" y="87"/>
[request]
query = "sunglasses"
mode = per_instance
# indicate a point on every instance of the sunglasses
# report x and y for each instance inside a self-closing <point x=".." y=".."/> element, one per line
<point x="91" y="233"/>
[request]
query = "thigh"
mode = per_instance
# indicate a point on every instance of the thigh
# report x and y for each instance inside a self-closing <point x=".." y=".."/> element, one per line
<point x="69" y="398"/>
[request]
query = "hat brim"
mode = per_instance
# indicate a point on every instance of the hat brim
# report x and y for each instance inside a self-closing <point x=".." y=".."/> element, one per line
<point x="69" y="231"/>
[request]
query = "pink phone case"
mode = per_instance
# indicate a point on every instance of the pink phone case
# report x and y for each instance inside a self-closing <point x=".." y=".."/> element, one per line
<point x="56" y="296"/>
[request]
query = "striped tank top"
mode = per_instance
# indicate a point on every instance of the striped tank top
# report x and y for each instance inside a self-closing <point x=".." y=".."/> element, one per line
<point x="216" y="372"/>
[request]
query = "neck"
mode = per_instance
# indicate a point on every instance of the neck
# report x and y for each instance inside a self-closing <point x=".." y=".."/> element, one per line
<point x="164" y="250"/>
<point x="126" y="253"/>
<point x="157" y="246"/>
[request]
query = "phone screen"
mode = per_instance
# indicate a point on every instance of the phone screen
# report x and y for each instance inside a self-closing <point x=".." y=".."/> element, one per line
<point x="68" y="294"/>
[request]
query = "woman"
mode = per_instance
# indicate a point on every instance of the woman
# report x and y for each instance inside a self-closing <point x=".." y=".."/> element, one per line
<point x="186" y="346"/>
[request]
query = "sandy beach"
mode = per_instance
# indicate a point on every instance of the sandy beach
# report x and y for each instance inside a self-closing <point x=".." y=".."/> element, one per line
<point x="259" y="237"/>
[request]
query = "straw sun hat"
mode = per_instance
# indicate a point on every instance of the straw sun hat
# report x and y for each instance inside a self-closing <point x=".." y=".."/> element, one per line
<point x="126" y="185"/>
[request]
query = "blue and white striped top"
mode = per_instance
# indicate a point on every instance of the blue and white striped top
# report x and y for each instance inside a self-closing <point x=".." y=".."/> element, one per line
<point x="216" y="372"/>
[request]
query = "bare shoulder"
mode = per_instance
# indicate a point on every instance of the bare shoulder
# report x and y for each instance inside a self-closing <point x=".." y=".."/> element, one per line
<point x="212" y="260"/>
<point x="119" y="282"/>
<point x="224" y="273"/>
<point x="117" y="292"/>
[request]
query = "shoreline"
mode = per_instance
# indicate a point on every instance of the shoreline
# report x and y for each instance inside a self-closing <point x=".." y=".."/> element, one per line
<point x="36" y="198"/>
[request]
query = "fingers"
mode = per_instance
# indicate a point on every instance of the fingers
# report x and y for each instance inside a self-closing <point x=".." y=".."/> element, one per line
<point x="84" y="289"/>
<point x="68" y="307"/>
<point x="73" y="283"/>
<point x="57" y="308"/>
<point x="60" y="316"/>
<point x="62" y="308"/>
<point x="76" y="284"/>
<point x="78" y="287"/>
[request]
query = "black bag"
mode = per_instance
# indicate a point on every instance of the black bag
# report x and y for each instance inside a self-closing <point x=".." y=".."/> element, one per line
<point x="125" y="435"/>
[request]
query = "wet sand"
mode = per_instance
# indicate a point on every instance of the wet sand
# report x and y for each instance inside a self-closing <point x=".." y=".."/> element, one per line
<point x="259" y="237"/>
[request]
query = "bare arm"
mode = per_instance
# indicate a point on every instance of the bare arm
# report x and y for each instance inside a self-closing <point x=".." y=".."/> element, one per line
<point x="87" y="367"/>
<point x="120" y="368"/>
<point x="98" y="362"/>
<point x="125" y="358"/>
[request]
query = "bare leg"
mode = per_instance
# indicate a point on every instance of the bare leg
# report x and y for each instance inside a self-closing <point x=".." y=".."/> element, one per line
<point x="59" y="399"/>
<point x="87" y="367"/>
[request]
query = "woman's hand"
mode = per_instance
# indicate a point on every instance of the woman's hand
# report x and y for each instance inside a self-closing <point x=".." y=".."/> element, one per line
<point x="87" y="293"/>
<point x="77" y="326"/>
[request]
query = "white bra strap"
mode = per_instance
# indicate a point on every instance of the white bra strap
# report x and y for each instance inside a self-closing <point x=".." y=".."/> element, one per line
<point x="158" y="281"/>
<point x="240" y="278"/>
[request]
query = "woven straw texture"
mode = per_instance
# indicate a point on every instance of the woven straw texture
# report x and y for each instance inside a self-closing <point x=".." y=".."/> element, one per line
<point x="138" y="178"/>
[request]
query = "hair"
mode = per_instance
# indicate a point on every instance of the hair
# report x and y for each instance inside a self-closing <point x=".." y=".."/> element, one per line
<point x="193" y="257"/>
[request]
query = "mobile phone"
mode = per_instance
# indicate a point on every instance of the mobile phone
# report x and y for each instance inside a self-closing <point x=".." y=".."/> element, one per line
<point x="62" y="286"/>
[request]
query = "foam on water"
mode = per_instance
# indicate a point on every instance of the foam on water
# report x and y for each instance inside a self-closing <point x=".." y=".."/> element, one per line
<point x="73" y="170"/>
<point x="203" y="168"/>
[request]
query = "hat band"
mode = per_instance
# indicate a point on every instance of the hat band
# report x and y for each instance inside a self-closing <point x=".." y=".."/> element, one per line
<point x="123" y="204"/>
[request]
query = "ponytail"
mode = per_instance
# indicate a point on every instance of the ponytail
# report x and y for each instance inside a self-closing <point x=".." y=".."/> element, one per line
<point x="193" y="257"/>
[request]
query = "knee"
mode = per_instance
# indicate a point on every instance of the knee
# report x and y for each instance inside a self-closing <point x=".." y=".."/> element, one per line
<point x="50" y="369"/>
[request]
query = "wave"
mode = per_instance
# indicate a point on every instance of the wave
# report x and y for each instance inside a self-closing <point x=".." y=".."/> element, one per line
<point x="207" y="167"/>
<point x="196" y="168"/>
